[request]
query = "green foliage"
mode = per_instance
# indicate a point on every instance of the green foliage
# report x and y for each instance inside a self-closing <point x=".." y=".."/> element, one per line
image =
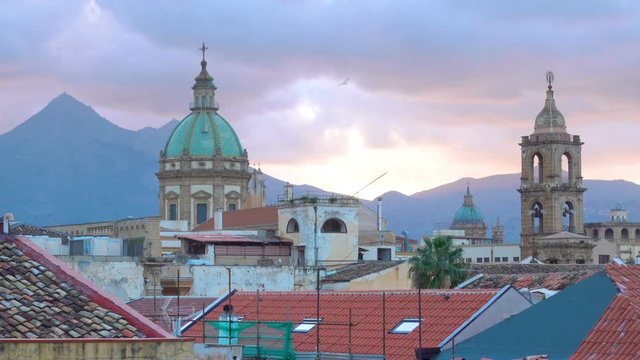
<point x="437" y="265"/>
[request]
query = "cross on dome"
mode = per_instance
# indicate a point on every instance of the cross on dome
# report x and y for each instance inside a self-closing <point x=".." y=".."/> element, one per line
<point x="203" y="49"/>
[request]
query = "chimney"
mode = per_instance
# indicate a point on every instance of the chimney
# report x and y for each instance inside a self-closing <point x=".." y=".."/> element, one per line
<point x="380" y="214"/>
<point x="288" y="192"/>
<point x="6" y="223"/>
<point x="217" y="221"/>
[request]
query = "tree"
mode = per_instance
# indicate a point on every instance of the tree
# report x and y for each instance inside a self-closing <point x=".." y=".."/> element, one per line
<point x="437" y="265"/>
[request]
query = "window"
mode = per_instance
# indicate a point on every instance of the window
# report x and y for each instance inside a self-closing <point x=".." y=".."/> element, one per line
<point x="292" y="226"/>
<point x="505" y="259"/>
<point x="479" y="260"/>
<point x="306" y="325"/>
<point x="608" y="234"/>
<point x="406" y="326"/>
<point x="231" y="207"/>
<point x="579" y="261"/>
<point x="603" y="259"/>
<point x="334" y="226"/>
<point x="516" y="259"/>
<point x="201" y="213"/>
<point x="496" y="259"/>
<point x="468" y="260"/>
<point x="487" y="260"/>
<point x="594" y="233"/>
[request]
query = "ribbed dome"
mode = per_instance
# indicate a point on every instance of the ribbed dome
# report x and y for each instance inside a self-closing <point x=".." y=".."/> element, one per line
<point x="468" y="213"/>
<point x="201" y="133"/>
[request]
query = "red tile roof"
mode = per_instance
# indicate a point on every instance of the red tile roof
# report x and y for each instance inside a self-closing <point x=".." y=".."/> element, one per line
<point x="166" y="308"/>
<point x="617" y="334"/>
<point x="41" y="297"/>
<point x="443" y="312"/>
<point x="254" y="218"/>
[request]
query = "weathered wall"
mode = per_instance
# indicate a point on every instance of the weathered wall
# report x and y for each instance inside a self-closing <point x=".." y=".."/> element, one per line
<point x="119" y="276"/>
<point x="214" y="280"/>
<point x="102" y="349"/>
<point x="332" y="247"/>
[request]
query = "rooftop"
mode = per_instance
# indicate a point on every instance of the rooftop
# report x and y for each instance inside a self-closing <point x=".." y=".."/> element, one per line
<point x="616" y="335"/>
<point x="245" y="219"/>
<point x="163" y="310"/>
<point x="443" y="312"/>
<point x="360" y="269"/>
<point x="41" y="297"/>
<point x="531" y="276"/>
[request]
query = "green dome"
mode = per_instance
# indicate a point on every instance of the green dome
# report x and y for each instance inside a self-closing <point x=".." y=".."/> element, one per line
<point x="468" y="213"/>
<point x="201" y="133"/>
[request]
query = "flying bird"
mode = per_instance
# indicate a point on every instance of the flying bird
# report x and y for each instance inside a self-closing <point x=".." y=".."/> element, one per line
<point x="345" y="82"/>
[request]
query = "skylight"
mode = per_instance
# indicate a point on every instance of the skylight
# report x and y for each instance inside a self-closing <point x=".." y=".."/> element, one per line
<point x="306" y="325"/>
<point x="406" y="326"/>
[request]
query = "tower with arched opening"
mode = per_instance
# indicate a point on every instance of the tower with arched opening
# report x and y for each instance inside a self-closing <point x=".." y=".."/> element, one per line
<point x="551" y="190"/>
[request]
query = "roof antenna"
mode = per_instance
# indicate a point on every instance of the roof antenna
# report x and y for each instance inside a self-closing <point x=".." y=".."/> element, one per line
<point x="374" y="180"/>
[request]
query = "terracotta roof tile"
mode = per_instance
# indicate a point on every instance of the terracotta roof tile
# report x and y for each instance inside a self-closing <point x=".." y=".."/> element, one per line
<point x="42" y="298"/>
<point x="442" y="315"/>
<point x="253" y="218"/>
<point x="617" y="334"/>
<point x="166" y="308"/>
<point x="532" y="276"/>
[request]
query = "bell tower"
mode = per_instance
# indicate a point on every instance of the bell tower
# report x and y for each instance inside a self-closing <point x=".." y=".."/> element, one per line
<point x="551" y="190"/>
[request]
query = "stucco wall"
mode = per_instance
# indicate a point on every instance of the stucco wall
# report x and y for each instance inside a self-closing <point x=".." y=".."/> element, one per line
<point x="332" y="247"/>
<point x="103" y="349"/>
<point x="214" y="280"/>
<point x="119" y="276"/>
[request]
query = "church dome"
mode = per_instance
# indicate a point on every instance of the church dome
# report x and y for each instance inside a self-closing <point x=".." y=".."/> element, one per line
<point x="549" y="119"/>
<point x="468" y="214"/>
<point x="203" y="133"/>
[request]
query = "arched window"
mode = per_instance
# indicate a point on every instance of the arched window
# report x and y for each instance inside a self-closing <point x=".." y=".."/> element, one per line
<point x="608" y="234"/>
<point x="594" y="233"/>
<point x="292" y="226"/>
<point x="566" y="175"/>
<point x="567" y="217"/>
<point x="624" y="234"/>
<point x="334" y="226"/>
<point x="637" y="236"/>
<point x="536" y="218"/>
<point x="536" y="168"/>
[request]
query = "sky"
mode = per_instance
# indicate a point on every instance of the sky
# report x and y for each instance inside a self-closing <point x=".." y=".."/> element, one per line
<point x="435" y="90"/>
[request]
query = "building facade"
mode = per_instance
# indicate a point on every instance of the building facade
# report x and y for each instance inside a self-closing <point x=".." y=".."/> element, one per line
<point x="551" y="198"/>
<point x="616" y="237"/>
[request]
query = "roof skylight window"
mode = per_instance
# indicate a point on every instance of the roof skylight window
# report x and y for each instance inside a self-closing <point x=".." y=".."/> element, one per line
<point x="306" y="325"/>
<point x="406" y="326"/>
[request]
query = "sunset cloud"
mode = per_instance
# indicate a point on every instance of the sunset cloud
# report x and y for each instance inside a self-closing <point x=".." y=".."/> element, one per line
<point x="438" y="90"/>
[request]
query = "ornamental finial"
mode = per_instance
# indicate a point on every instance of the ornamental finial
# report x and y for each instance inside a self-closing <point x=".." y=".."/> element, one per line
<point x="549" y="78"/>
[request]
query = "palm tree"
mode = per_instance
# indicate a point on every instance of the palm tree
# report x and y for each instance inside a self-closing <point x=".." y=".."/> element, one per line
<point x="437" y="265"/>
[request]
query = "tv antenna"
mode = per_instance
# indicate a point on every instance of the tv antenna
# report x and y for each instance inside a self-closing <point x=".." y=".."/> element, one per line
<point x="371" y="182"/>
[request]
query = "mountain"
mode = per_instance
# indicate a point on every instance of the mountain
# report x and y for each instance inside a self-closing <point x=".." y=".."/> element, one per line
<point x="496" y="197"/>
<point x="68" y="164"/>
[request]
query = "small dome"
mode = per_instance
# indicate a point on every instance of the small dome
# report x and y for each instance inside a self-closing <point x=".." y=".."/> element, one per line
<point x="468" y="213"/>
<point x="202" y="133"/>
<point x="549" y="119"/>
